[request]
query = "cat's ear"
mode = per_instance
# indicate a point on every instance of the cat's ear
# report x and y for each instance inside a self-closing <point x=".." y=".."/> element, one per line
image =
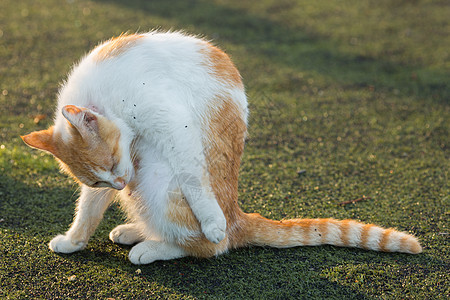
<point x="42" y="140"/>
<point x="81" y="118"/>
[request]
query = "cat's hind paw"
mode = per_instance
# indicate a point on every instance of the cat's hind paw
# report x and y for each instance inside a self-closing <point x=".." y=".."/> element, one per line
<point x="63" y="244"/>
<point x="126" y="234"/>
<point x="215" y="230"/>
<point x="149" y="251"/>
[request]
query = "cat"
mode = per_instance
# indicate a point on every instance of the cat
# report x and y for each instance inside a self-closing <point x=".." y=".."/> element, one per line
<point x="160" y="119"/>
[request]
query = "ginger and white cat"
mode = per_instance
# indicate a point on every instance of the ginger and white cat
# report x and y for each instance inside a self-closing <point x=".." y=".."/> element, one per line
<point x="162" y="118"/>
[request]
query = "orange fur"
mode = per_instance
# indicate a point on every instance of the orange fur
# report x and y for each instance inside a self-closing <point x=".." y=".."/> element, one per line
<point x="42" y="140"/>
<point x="223" y="152"/>
<point x="77" y="156"/>
<point x="180" y="213"/>
<point x="345" y="226"/>
<point x="201" y="247"/>
<point x="385" y="238"/>
<point x="223" y="67"/>
<point x="224" y="146"/>
<point x="365" y="234"/>
<point x="302" y="232"/>
<point x="116" y="46"/>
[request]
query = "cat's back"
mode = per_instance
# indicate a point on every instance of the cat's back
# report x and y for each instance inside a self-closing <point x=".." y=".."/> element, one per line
<point x="157" y="68"/>
<point x="157" y="55"/>
<point x="182" y="57"/>
<point x="150" y="50"/>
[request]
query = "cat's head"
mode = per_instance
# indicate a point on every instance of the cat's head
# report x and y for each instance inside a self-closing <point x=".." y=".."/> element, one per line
<point x="88" y="148"/>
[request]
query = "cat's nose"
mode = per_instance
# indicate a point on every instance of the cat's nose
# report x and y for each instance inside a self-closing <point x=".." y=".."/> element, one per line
<point x="119" y="183"/>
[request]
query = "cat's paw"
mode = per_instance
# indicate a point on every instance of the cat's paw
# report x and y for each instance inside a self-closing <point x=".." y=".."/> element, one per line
<point x="126" y="234"/>
<point x="215" y="229"/>
<point x="143" y="253"/>
<point x="148" y="251"/>
<point x="63" y="244"/>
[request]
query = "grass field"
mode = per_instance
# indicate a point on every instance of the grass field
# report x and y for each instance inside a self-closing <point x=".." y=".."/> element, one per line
<point x="355" y="93"/>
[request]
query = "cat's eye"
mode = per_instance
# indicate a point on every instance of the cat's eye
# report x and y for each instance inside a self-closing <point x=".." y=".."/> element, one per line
<point x="101" y="184"/>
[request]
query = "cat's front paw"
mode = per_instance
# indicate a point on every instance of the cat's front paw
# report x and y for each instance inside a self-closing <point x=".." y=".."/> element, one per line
<point x="215" y="229"/>
<point x="63" y="244"/>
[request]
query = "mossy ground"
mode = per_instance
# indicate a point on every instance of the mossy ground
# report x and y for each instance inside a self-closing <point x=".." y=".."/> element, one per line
<point x="356" y="93"/>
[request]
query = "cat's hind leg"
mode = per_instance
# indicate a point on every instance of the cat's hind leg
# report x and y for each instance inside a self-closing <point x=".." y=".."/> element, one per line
<point x="149" y="251"/>
<point x="126" y="234"/>
<point x="204" y="205"/>
<point x="89" y="212"/>
<point x="180" y="140"/>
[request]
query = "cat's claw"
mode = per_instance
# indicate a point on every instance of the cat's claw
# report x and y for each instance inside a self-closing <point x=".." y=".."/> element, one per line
<point x="215" y="231"/>
<point x="125" y="234"/>
<point x="63" y="244"/>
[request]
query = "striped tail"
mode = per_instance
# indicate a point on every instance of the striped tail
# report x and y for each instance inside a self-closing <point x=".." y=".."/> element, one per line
<point x="313" y="232"/>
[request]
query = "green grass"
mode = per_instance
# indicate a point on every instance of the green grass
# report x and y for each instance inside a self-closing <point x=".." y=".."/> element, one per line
<point x="354" y="92"/>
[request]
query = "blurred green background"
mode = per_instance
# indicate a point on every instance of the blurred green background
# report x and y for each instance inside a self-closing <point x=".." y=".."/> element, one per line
<point x="348" y="99"/>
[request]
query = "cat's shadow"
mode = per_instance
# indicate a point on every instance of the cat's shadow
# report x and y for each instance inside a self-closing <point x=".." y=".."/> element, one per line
<point x="292" y="272"/>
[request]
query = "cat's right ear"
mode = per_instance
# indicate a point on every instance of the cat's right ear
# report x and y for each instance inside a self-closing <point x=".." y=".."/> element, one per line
<point x="83" y="119"/>
<point x="42" y="140"/>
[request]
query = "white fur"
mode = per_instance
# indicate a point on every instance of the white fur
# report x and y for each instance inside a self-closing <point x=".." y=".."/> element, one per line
<point x="159" y="94"/>
<point x="354" y="234"/>
<point x="374" y="238"/>
<point x="90" y="208"/>
<point x="126" y="234"/>
<point x="148" y="251"/>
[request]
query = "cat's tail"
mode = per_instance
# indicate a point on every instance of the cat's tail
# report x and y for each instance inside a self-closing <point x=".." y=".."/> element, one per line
<point x="313" y="232"/>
